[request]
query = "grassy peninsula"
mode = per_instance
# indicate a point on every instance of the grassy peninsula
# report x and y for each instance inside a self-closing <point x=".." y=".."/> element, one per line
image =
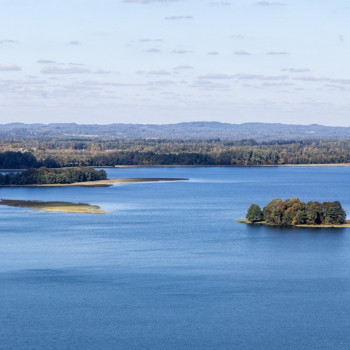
<point x="65" y="207"/>
<point x="293" y="212"/>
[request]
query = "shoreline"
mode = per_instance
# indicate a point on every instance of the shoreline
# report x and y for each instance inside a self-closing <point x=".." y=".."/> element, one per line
<point x="245" y="221"/>
<point x="102" y="183"/>
<point x="199" y="166"/>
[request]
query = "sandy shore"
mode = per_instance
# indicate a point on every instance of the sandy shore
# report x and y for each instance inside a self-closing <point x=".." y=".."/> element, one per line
<point x="103" y="183"/>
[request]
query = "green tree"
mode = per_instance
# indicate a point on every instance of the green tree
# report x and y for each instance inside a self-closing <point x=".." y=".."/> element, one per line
<point x="300" y="217"/>
<point x="333" y="213"/>
<point x="273" y="212"/>
<point x="254" y="213"/>
<point x="314" y="213"/>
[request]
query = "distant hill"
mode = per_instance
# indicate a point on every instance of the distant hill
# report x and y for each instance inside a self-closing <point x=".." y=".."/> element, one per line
<point x="185" y="131"/>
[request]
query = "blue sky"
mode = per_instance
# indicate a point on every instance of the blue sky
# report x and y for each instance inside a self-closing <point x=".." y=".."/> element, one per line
<point x="169" y="61"/>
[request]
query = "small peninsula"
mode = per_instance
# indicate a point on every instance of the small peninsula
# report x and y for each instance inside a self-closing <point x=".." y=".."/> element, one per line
<point x="80" y="176"/>
<point x="65" y="207"/>
<point x="293" y="212"/>
<point x="110" y="182"/>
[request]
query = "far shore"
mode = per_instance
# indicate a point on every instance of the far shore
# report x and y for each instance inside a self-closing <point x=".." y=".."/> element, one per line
<point x="245" y="221"/>
<point x="204" y="166"/>
<point x="102" y="183"/>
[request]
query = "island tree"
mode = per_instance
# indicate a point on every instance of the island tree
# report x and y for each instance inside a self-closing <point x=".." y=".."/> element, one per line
<point x="254" y="213"/>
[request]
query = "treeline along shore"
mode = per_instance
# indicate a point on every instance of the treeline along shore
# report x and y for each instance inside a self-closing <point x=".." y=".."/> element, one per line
<point x="47" y="176"/>
<point x="54" y="153"/>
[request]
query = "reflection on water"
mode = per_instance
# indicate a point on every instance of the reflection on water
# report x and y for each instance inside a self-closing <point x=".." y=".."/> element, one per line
<point x="169" y="268"/>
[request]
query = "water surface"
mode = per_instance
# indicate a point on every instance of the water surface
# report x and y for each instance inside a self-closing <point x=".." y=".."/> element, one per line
<point x="169" y="268"/>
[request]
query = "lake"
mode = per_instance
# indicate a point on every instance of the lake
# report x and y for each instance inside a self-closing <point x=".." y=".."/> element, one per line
<point x="169" y="268"/>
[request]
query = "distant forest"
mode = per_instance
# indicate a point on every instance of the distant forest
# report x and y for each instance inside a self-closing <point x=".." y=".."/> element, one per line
<point x="180" y="131"/>
<point x="54" y="153"/>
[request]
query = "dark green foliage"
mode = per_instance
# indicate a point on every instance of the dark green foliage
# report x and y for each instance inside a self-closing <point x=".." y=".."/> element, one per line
<point x="254" y="213"/>
<point x="18" y="160"/>
<point x="300" y="217"/>
<point x="314" y="213"/>
<point x="26" y="160"/>
<point x="333" y="213"/>
<point x="294" y="212"/>
<point x="273" y="212"/>
<point x="44" y="175"/>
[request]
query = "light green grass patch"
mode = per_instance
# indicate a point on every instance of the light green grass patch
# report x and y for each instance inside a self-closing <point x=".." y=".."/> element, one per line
<point x="65" y="207"/>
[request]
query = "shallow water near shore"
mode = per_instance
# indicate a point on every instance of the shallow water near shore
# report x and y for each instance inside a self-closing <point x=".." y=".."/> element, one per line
<point x="167" y="266"/>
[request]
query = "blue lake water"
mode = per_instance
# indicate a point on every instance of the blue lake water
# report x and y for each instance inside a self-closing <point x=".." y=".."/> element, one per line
<point x="169" y="268"/>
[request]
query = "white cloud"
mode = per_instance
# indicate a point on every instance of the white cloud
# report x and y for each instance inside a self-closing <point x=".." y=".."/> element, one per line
<point x="7" y="41"/>
<point x="243" y="77"/>
<point x="183" y="67"/>
<point x="323" y="79"/>
<point x="74" y="43"/>
<point x="159" y="72"/>
<point x="148" y="40"/>
<point x="161" y="83"/>
<point x="181" y="52"/>
<point x="9" y="67"/>
<point x="277" y="53"/>
<point x="102" y="71"/>
<point x="45" y="61"/>
<point x="64" y="69"/>
<point x="152" y="50"/>
<point x="260" y="77"/>
<point x="216" y="76"/>
<point x="241" y="53"/>
<point x="295" y="70"/>
<point x="210" y="85"/>
<point x="312" y="79"/>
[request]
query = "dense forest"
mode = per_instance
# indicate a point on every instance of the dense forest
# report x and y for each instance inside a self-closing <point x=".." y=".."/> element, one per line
<point x="95" y="152"/>
<point x="52" y="176"/>
<point x="294" y="212"/>
<point x="25" y="160"/>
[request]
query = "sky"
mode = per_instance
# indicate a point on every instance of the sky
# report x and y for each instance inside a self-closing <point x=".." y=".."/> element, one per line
<point x="170" y="61"/>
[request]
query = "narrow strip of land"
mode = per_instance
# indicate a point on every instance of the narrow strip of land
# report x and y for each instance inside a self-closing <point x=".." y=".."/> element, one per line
<point x="65" y="207"/>
<point x="103" y="183"/>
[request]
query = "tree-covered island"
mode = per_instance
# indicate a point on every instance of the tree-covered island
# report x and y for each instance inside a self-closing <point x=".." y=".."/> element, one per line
<point x="293" y="212"/>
